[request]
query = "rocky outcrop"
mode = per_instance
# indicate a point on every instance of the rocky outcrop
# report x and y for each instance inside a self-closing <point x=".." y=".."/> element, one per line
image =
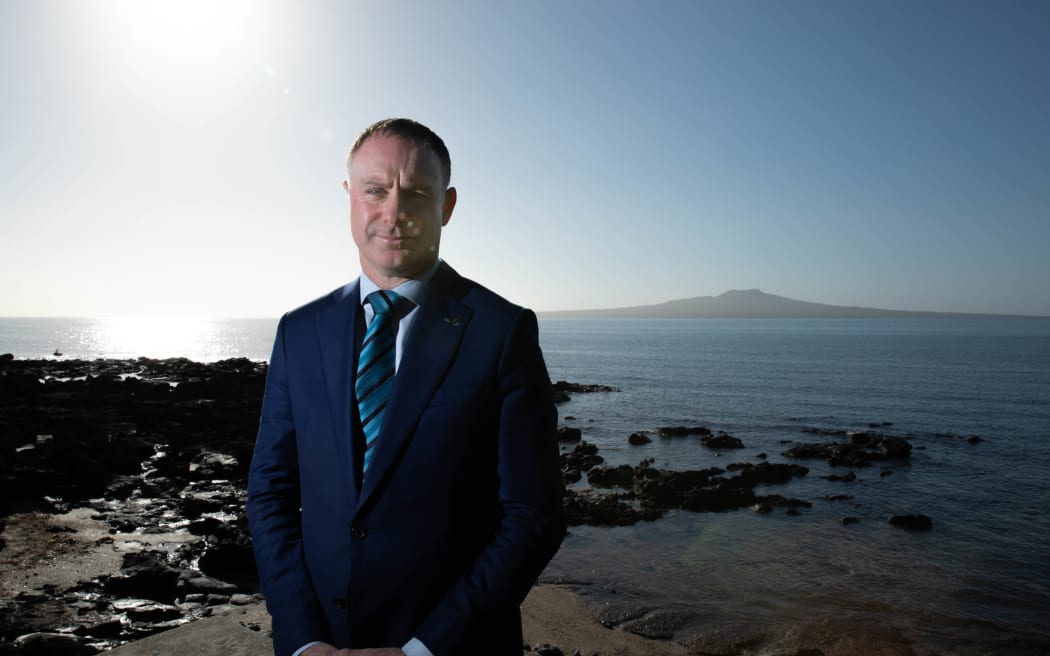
<point x="562" y="389"/>
<point x="647" y="493"/>
<point x="859" y="451"/>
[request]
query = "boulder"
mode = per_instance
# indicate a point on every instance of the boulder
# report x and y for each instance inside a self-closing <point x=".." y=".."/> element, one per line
<point x="722" y="441"/>
<point x="568" y="434"/>
<point x="49" y="644"/>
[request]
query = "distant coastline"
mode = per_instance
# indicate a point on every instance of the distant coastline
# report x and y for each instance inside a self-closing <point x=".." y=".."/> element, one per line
<point x="756" y="304"/>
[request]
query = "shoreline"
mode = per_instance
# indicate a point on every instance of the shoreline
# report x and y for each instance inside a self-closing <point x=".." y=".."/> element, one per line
<point x="128" y="474"/>
<point x="558" y="615"/>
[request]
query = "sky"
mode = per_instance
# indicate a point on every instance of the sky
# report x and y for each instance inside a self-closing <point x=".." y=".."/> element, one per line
<point x="186" y="158"/>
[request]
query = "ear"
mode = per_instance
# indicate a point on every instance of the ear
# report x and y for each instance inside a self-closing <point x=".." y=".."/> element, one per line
<point x="346" y="186"/>
<point x="448" y="206"/>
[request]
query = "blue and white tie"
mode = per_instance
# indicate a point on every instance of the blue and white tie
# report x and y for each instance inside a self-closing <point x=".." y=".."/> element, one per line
<point x="375" y="367"/>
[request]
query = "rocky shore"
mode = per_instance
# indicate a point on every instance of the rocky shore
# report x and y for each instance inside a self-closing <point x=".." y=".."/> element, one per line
<point x="122" y="489"/>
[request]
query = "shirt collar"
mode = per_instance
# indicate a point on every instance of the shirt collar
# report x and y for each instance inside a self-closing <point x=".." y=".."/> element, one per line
<point x="414" y="290"/>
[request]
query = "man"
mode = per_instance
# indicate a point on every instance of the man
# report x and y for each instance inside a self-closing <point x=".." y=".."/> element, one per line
<point x="405" y="490"/>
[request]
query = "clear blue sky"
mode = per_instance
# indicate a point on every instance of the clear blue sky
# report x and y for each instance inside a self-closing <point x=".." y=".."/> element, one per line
<point x="185" y="158"/>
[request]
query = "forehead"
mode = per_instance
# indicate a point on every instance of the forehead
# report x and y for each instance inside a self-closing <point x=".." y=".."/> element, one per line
<point x="391" y="155"/>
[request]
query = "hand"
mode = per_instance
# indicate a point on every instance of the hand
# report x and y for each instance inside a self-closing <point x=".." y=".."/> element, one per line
<point x="325" y="649"/>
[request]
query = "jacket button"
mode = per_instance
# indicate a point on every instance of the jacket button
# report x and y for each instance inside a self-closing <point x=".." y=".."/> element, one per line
<point x="339" y="602"/>
<point x="358" y="533"/>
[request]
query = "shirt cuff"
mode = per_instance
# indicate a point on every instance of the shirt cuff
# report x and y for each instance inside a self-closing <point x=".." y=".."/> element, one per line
<point x="308" y="645"/>
<point x="415" y="647"/>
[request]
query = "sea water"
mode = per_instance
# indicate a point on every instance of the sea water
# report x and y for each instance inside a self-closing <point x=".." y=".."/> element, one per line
<point x="981" y="573"/>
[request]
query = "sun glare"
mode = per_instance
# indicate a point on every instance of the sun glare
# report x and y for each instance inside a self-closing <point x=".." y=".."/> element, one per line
<point x="190" y="31"/>
<point x="159" y="337"/>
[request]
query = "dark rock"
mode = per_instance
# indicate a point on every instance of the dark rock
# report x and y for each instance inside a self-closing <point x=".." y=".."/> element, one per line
<point x="568" y="434"/>
<point x="604" y="510"/>
<point x="722" y="441"/>
<point x="205" y="526"/>
<point x="849" y="520"/>
<point x="682" y="431"/>
<point x="583" y="457"/>
<point x="974" y="439"/>
<point x="206" y="584"/>
<point x="570" y="475"/>
<point x="50" y="644"/>
<point x="885" y="445"/>
<point x="564" y="386"/>
<point x="604" y="476"/>
<point x="916" y="521"/>
<point x="104" y="630"/>
<point x="145" y="575"/>
<point x="152" y="613"/>
<point x="638" y="439"/>
<point x="229" y="562"/>
<point x="211" y="465"/>
<point x="858" y="452"/>
<point x="32" y="597"/>
<point x="750" y="475"/>
<point x="547" y="650"/>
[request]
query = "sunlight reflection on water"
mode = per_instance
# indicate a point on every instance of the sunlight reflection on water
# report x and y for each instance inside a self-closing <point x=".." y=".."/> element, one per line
<point x="200" y="339"/>
<point x="165" y="337"/>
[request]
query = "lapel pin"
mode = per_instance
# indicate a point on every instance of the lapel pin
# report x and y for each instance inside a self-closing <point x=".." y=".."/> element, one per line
<point x="453" y="320"/>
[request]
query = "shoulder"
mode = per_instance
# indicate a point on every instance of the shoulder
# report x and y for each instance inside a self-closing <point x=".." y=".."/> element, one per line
<point x="473" y="294"/>
<point x="341" y="297"/>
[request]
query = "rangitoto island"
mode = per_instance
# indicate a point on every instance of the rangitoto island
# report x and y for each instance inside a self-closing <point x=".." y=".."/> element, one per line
<point x="122" y="488"/>
<point x="755" y="304"/>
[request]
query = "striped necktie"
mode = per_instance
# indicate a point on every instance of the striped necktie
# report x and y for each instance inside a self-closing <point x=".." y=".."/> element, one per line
<point x="375" y="367"/>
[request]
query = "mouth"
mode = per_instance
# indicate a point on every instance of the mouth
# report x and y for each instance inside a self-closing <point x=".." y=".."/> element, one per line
<point x="391" y="241"/>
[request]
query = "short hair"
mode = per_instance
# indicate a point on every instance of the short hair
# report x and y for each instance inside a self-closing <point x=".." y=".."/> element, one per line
<point x="411" y="131"/>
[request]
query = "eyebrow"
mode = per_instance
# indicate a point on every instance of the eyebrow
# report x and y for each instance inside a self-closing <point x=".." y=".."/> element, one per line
<point x="381" y="181"/>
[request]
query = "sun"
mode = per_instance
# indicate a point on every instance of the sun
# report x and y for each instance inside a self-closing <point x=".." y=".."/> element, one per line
<point x="187" y="32"/>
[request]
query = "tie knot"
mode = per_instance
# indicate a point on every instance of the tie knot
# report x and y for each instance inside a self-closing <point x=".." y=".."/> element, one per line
<point x="382" y="301"/>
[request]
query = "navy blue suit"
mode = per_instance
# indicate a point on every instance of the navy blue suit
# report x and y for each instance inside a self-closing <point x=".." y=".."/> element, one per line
<point x="461" y="507"/>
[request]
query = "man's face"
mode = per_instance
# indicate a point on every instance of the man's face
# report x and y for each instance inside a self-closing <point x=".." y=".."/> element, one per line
<point x="398" y="204"/>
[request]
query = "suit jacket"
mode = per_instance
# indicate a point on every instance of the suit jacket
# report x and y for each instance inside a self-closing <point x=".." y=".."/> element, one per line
<point x="461" y="507"/>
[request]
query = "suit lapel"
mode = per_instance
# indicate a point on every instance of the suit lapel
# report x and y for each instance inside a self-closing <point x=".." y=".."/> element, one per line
<point x="428" y="353"/>
<point x="336" y="327"/>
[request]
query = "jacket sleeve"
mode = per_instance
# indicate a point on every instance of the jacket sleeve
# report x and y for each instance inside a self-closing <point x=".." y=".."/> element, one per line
<point x="274" y="518"/>
<point x="531" y="526"/>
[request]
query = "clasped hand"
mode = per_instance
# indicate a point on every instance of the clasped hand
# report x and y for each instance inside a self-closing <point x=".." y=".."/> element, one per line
<point x="323" y="649"/>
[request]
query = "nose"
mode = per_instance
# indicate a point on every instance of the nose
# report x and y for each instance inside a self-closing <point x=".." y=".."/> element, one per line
<point x="395" y="210"/>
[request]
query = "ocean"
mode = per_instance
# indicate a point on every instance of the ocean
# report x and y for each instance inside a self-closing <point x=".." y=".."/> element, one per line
<point x="977" y="583"/>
